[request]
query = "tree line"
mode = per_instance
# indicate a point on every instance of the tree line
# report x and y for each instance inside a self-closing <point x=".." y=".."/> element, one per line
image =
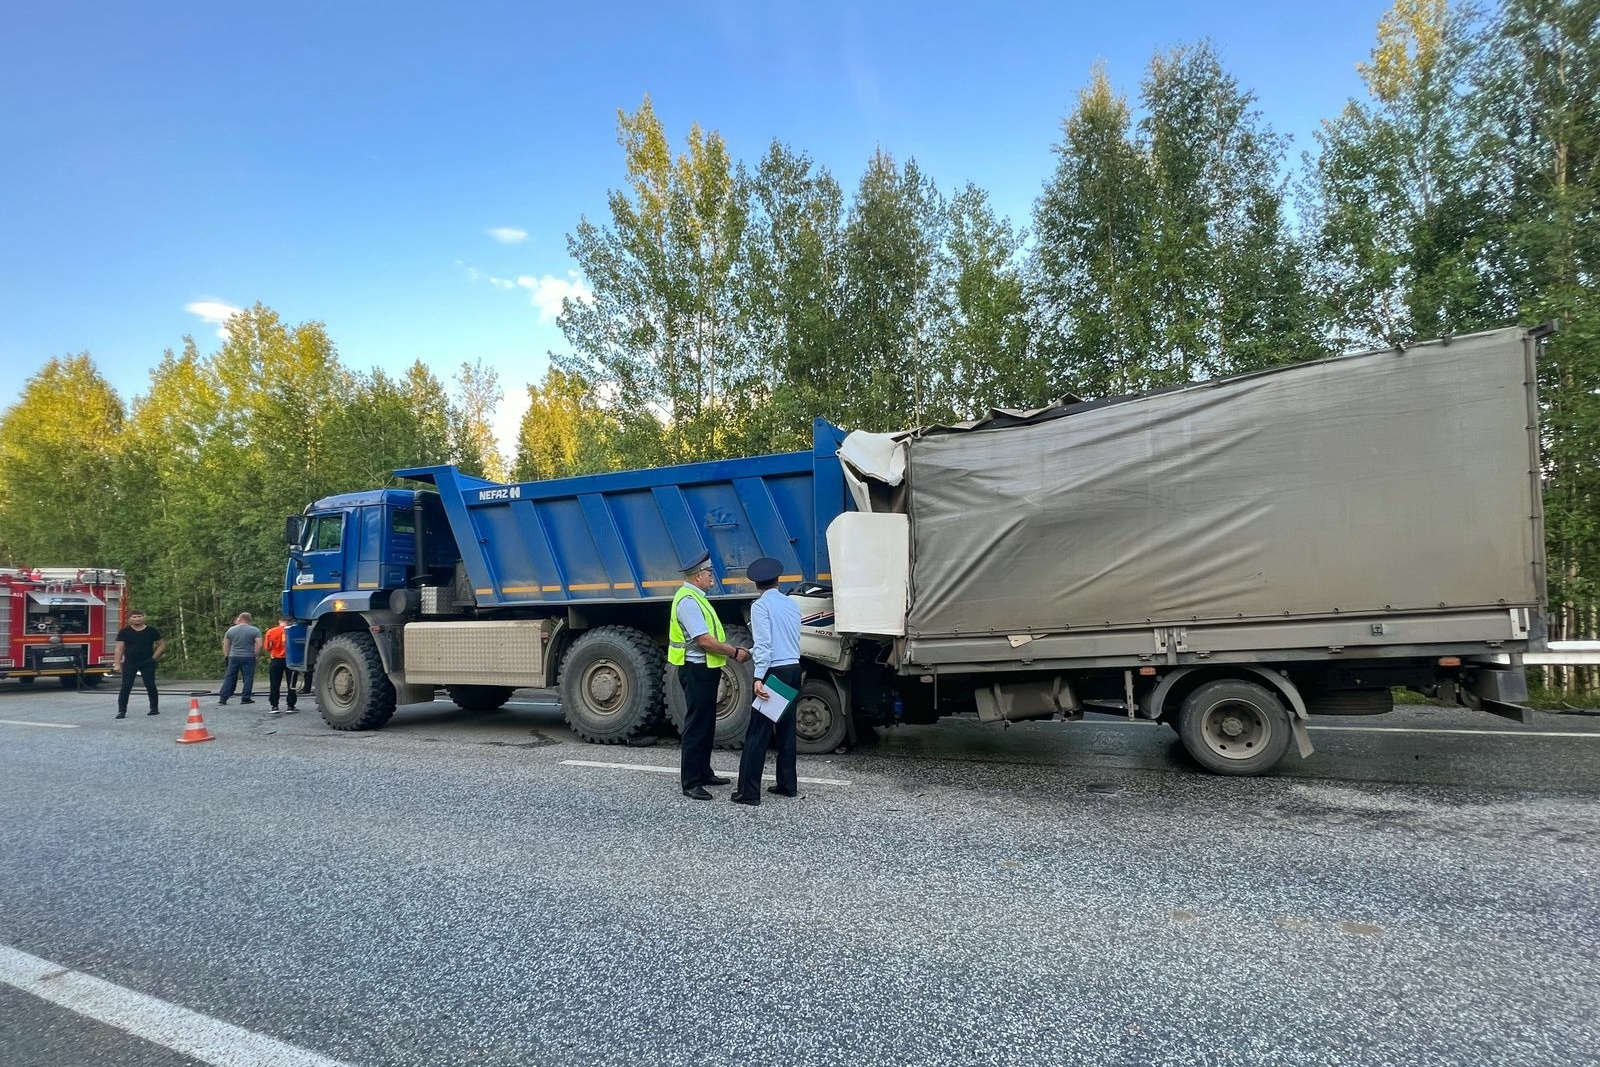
<point x="1177" y="239"/>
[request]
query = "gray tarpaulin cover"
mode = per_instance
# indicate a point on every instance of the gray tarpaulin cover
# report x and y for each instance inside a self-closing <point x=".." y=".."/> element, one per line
<point x="1384" y="480"/>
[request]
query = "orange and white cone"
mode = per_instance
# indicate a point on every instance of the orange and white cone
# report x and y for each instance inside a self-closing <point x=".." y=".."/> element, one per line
<point x="196" y="728"/>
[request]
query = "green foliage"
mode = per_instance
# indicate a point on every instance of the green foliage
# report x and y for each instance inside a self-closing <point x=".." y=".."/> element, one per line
<point x="1405" y="231"/>
<point x="1162" y="255"/>
<point x="189" y="490"/>
<point x="59" y="456"/>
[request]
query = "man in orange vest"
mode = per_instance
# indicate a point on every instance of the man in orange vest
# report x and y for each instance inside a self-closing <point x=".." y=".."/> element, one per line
<point x="277" y="647"/>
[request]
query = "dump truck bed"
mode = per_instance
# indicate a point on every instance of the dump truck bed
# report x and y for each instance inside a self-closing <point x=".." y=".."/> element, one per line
<point x="621" y="536"/>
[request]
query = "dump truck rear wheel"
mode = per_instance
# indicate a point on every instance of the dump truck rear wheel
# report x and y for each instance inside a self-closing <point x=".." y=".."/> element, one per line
<point x="1234" y="727"/>
<point x="611" y="684"/>
<point x="479" y="697"/>
<point x="820" y="724"/>
<point x="353" y="692"/>
<point x="735" y="692"/>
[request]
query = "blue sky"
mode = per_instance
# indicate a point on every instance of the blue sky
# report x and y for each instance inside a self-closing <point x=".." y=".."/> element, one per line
<point x="348" y="162"/>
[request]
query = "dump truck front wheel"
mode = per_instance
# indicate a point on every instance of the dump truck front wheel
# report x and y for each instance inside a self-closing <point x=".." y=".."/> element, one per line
<point x="1234" y="727"/>
<point x="479" y="697"/>
<point x="611" y="684"/>
<point x="353" y="692"/>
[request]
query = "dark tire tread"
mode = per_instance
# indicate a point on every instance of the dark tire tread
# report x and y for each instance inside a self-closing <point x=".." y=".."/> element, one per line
<point x="645" y="662"/>
<point x="379" y="705"/>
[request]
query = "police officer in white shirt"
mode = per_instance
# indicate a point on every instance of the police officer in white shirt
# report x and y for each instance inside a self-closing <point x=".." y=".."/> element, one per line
<point x="775" y="622"/>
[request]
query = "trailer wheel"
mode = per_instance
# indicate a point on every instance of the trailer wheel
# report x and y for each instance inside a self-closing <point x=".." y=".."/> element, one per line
<point x="1234" y="727"/>
<point x="353" y="692"/>
<point x="820" y="724"/>
<point x="736" y="690"/>
<point x="611" y="684"/>
<point x="479" y="697"/>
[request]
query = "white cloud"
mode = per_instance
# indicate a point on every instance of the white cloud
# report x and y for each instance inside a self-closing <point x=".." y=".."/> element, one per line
<point x="477" y="275"/>
<point x="549" y="291"/>
<point x="213" y="312"/>
<point x="507" y="235"/>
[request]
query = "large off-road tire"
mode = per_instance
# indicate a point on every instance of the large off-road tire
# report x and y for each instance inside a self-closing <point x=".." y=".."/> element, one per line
<point x="736" y="690"/>
<point x="820" y="724"/>
<point x="353" y="692"/>
<point x="1234" y="727"/>
<point x="611" y="684"/>
<point x="479" y="697"/>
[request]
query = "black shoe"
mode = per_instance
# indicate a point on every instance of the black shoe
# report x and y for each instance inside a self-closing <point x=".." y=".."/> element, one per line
<point x="697" y="793"/>
<point x="775" y="791"/>
<point x="272" y="707"/>
<point x="224" y="700"/>
<point x="247" y="700"/>
<point x="152" y="711"/>
<point x="122" y="715"/>
<point x="737" y="798"/>
<point x="717" y="780"/>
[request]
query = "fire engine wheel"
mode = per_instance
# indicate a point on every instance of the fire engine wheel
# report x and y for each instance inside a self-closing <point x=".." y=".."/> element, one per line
<point x="820" y="724"/>
<point x="353" y="692"/>
<point x="735" y="692"/>
<point x="94" y="681"/>
<point x="611" y="684"/>
<point x="68" y="681"/>
<point x="1234" y="727"/>
<point x="479" y="697"/>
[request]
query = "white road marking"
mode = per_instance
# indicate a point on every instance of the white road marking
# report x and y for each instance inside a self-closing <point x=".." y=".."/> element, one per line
<point x="1378" y="729"/>
<point x="51" y="725"/>
<point x="1446" y="730"/>
<point x="198" y="1036"/>
<point x="653" y="769"/>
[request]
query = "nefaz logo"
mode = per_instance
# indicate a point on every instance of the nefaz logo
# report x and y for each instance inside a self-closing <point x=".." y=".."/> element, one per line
<point x="510" y="492"/>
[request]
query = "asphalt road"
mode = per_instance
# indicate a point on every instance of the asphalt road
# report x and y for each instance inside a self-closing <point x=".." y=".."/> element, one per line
<point x="450" y="890"/>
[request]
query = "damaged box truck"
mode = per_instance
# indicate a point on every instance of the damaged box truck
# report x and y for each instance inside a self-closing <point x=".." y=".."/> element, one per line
<point x="1229" y="557"/>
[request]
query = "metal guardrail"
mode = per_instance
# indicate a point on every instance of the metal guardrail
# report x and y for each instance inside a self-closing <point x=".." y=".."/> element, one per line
<point x="1556" y="654"/>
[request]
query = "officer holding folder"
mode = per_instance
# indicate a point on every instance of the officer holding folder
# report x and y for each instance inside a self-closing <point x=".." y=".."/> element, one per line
<point x="775" y="622"/>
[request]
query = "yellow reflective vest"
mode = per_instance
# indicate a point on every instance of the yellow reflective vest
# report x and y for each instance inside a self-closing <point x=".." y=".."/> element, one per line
<point x="676" y="645"/>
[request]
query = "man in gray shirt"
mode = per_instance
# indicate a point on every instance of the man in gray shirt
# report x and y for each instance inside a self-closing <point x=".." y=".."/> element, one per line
<point x="240" y="646"/>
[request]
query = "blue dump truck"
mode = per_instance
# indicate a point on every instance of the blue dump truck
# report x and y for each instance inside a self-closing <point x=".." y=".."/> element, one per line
<point x="1229" y="558"/>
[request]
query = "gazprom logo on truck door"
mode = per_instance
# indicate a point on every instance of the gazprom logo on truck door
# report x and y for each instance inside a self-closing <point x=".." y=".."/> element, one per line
<point x="508" y="492"/>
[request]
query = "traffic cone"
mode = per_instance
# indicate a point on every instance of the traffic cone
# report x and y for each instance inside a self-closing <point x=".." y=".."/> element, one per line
<point x="196" y="728"/>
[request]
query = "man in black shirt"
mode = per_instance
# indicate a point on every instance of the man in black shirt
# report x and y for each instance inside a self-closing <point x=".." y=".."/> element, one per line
<point x="138" y="648"/>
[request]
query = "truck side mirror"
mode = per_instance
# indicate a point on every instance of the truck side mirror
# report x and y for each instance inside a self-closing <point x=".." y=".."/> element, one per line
<point x="291" y="530"/>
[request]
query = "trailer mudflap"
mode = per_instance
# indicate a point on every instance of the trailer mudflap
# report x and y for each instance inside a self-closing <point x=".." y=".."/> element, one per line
<point x="1502" y="692"/>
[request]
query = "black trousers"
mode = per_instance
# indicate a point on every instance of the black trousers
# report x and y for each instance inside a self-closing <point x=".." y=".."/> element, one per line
<point x="759" y="734"/>
<point x="131" y="671"/>
<point x="699" y="721"/>
<point x="277" y="670"/>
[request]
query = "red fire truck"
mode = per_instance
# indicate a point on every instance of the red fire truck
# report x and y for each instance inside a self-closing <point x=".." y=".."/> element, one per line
<point x="60" y="622"/>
